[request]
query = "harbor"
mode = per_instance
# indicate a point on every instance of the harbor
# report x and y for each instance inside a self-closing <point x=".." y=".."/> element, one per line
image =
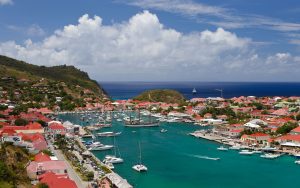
<point x="199" y="160"/>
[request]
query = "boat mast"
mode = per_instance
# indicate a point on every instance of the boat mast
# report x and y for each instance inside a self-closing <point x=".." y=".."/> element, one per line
<point x="140" y="157"/>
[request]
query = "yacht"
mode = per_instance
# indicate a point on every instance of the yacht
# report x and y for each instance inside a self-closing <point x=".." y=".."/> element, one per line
<point x="222" y="148"/>
<point x="246" y="152"/>
<point x="235" y="147"/>
<point x="270" y="156"/>
<point x="113" y="159"/>
<point x="101" y="148"/>
<point x="108" y="134"/>
<point x="140" y="167"/>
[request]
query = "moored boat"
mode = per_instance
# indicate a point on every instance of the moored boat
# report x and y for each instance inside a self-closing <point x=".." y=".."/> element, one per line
<point x="222" y="148"/>
<point x="246" y="152"/>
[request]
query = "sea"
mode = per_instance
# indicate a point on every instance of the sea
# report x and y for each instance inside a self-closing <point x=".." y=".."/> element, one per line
<point x="178" y="160"/>
<point x="127" y="90"/>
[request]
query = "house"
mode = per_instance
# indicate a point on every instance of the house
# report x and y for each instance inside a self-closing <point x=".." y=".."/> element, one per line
<point x="31" y="128"/>
<point x="289" y="140"/>
<point x="295" y="131"/>
<point x="41" y="157"/>
<point x="34" y="169"/>
<point x="255" y="138"/>
<point x="57" y="181"/>
<point x="56" y="128"/>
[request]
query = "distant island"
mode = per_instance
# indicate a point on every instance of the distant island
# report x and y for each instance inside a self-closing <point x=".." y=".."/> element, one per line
<point x="161" y="95"/>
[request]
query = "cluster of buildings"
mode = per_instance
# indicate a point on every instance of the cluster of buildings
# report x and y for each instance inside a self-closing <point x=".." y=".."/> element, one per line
<point x="45" y="167"/>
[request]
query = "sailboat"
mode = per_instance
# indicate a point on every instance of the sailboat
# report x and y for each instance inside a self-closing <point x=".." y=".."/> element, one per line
<point x="140" y="167"/>
<point x="194" y="91"/>
<point x="113" y="158"/>
<point x="139" y="123"/>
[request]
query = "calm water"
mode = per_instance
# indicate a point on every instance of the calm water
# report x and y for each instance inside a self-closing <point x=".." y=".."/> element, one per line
<point x="174" y="160"/>
<point x="126" y="90"/>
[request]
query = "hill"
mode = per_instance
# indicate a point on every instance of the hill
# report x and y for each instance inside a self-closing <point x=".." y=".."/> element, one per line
<point x="68" y="74"/>
<point x="13" y="161"/>
<point x="58" y="87"/>
<point x="161" y="95"/>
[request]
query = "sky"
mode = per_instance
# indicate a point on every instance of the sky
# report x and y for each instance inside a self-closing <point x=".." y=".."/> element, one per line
<point x="157" y="40"/>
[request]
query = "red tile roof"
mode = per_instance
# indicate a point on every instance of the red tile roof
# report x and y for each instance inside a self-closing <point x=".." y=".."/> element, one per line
<point x="258" y="134"/>
<point x="57" y="181"/>
<point x="56" y="126"/>
<point x="297" y="130"/>
<point x="40" y="157"/>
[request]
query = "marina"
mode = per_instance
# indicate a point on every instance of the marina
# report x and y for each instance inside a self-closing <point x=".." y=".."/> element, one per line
<point x="197" y="158"/>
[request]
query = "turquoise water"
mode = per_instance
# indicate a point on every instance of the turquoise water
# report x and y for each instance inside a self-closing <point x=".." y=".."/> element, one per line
<point x="174" y="160"/>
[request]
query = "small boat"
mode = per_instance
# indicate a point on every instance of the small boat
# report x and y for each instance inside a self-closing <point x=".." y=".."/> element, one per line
<point x="112" y="159"/>
<point x="246" y="152"/>
<point x="101" y="148"/>
<point x="163" y="130"/>
<point x="235" y="147"/>
<point x="270" y="156"/>
<point x="194" y="91"/>
<point x="108" y="134"/>
<point x="297" y="162"/>
<point x="222" y="148"/>
<point x="140" y="167"/>
<point x="297" y="155"/>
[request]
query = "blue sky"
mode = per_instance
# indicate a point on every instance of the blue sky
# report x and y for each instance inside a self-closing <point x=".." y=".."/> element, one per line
<point x="205" y="40"/>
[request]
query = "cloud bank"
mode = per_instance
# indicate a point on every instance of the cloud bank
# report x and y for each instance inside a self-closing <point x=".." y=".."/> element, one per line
<point x="143" y="49"/>
<point x="6" y="2"/>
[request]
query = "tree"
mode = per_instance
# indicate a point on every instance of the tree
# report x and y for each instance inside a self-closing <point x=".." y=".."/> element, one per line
<point x="298" y="117"/>
<point x="21" y="122"/>
<point x="42" y="185"/>
<point x="3" y="107"/>
<point x="286" y="128"/>
<point x="90" y="176"/>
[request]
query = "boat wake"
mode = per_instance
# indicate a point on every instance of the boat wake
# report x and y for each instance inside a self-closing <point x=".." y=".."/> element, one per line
<point x="205" y="157"/>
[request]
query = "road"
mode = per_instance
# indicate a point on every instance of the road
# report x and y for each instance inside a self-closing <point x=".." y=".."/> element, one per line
<point x="71" y="172"/>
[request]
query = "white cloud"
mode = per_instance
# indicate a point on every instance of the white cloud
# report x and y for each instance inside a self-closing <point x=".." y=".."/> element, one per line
<point x="185" y="7"/>
<point x="143" y="49"/>
<point x="6" y="2"/>
<point x="215" y="15"/>
<point x="33" y="30"/>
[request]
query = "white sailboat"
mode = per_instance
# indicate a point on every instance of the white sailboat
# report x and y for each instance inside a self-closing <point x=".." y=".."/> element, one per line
<point x="140" y="167"/>
<point x="194" y="91"/>
<point x="113" y="158"/>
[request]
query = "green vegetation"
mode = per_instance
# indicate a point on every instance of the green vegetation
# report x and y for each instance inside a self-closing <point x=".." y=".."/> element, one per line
<point x="59" y="87"/>
<point x="42" y="185"/>
<point x="161" y="95"/>
<point x="286" y="128"/>
<point x="68" y="74"/>
<point x="21" y="122"/>
<point x="13" y="161"/>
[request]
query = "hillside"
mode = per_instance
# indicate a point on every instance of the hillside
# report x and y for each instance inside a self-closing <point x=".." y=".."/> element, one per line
<point x="13" y="161"/>
<point x="68" y="74"/>
<point x="161" y="95"/>
<point x="58" y="87"/>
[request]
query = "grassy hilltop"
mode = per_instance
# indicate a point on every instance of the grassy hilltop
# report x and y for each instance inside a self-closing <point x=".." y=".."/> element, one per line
<point x="161" y="95"/>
